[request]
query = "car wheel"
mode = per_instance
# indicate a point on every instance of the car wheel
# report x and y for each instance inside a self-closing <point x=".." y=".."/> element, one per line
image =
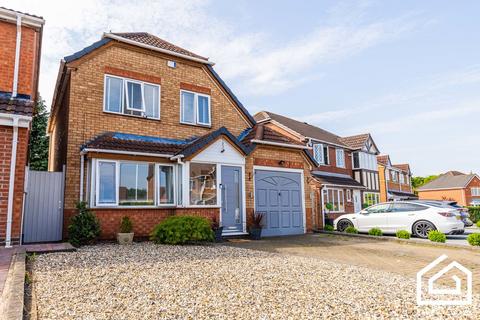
<point x="344" y="224"/>
<point x="422" y="228"/>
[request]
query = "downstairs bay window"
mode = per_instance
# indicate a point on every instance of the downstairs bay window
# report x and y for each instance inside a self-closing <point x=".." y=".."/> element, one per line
<point x="129" y="184"/>
<point x="370" y="198"/>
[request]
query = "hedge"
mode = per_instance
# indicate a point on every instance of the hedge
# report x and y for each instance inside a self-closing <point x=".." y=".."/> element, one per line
<point x="474" y="213"/>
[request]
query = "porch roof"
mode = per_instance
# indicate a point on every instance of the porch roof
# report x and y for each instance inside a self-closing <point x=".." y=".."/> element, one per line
<point x="334" y="179"/>
<point x="22" y="107"/>
<point x="117" y="141"/>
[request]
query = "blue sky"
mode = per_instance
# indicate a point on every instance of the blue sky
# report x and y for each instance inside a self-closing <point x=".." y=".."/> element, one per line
<point x="408" y="72"/>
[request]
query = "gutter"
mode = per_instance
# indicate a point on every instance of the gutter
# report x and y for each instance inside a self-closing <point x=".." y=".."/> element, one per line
<point x="29" y="20"/>
<point x="146" y="46"/>
<point x="279" y="144"/>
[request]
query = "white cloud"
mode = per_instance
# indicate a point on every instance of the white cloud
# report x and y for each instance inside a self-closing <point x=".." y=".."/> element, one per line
<point x="250" y="59"/>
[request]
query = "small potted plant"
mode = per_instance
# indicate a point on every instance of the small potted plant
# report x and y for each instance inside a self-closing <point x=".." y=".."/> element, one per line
<point x="256" y="227"/>
<point x="328" y="208"/>
<point x="217" y="229"/>
<point x="125" y="236"/>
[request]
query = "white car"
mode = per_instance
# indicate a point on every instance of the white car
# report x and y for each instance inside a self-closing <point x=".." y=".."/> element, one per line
<point x="417" y="217"/>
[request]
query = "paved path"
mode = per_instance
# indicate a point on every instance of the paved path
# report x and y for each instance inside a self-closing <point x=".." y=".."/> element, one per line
<point x="404" y="259"/>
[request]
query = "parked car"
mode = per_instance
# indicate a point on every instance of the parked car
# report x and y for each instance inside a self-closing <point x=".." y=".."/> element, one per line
<point x="419" y="218"/>
<point x="453" y="204"/>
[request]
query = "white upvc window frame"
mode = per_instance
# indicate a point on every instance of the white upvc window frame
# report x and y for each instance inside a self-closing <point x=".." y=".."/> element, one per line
<point x="157" y="184"/>
<point x="95" y="195"/>
<point x="218" y="177"/>
<point x="125" y="83"/>
<point x="475" y="191"/>
<point x="97" y="183"/>
<point x="196" y="121"/>
<point x="337" y="151"/>
<point x="318" y="153"/>
<point x="341" y="200"/>
<point x="375" y="195"/>
<point x="125" y="104"/>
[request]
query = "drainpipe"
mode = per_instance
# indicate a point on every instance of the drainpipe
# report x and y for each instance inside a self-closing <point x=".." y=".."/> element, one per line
<point x="321" y="205"/>
<point x="13" y="163"/>
<point x="82" y="164"/>
<point x="17" y="55"/>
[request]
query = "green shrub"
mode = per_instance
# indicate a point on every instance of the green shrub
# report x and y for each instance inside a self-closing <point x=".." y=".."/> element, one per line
<point x="474" y="239"/>
<point x="84" y="227"/>
<point x="375" y="232"/>
<point x="474" y="213"/>
<point x="478" y="224"/>
<point x="403" y="234"/>
<point x="181" y="230"/>
<point x="126" y="225"/>
<point x="328" y="227"/>
<point x="351" y="229"/>
<point x="437" y="236"/>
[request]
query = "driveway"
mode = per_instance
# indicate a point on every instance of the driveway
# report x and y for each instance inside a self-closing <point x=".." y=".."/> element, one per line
<point x="399" y="258"/>
<point x="150" y="281"/>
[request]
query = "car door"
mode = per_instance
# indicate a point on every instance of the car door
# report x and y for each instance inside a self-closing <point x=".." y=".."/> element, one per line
<point x="402" y="215"/>
<point x="373" y="217"/>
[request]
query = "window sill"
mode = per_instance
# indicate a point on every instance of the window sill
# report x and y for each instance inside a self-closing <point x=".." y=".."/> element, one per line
<point x="130" y="115"/>
<point x="196" y="125"/>
<point x="133" y="207"/>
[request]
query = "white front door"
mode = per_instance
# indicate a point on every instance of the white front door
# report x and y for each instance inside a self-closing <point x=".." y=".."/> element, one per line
<point x="357" y="200"/>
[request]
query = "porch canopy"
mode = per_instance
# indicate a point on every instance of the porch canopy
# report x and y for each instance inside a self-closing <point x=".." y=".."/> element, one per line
<point x="399" y="195"/>
<point x="336" y="180"/>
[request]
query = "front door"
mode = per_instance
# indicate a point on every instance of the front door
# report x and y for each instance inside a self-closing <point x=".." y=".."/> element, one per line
<point x="357" y="200"/>
<point x="231" y="186"/>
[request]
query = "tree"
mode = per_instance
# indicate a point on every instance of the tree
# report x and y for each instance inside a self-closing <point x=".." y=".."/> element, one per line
<point x="420" y="181"/>
<point x="38" y="143"/>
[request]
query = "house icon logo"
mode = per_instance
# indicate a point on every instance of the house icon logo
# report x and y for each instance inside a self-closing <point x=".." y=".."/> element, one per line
<point x="430" y="294"/>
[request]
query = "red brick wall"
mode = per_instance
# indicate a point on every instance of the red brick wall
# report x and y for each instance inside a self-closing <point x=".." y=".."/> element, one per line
<point x="143" y="220"/>
<point x="28" y="59"/>
<point x="475" y="183"/>
<point x="6" y="134"/>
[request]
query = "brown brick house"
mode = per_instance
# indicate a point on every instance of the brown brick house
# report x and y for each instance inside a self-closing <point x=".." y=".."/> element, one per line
<point x="453" y="185"/>
<point x="333" y="174"/>
<point x="148" y="129"/>
<point x="20" y="39"/>
<point x="395" y="180"/>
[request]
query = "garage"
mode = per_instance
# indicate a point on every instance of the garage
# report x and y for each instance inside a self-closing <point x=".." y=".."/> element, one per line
<point x="279" y="197"/>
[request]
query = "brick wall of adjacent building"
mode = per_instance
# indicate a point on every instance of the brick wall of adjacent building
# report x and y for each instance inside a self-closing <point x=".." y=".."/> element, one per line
<point x="475" y="183"/>
<point x="457" y="195"/>
<point x="6" y="134"/>
<point x="28" y="59"/>
<point x="86" y="118"/>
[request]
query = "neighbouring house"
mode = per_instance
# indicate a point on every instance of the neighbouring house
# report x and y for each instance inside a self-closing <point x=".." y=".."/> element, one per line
<point x="364" y="166"/>
<point x="333" y="182"/>
<point x="148" y="130"/>
<point x="453" y="185"/>
<point x="20" y="39"/>
<point x="395" y="180"/>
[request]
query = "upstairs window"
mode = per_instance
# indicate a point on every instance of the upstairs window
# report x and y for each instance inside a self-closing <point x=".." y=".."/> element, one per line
<point x="476" y="191"/>
<point x="340" y="158"/>
<point x="194" y="108"/>
<point x="131" y="97"/>
<point x="320" y="153"/>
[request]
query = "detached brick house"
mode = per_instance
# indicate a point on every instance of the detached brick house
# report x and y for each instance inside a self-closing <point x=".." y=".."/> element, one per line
<point x="395" y="180"/>
<point x="20" y="39"/>
<point x="453" y="185"/>
<point x="149" y="130"/>
<point x="333" y="180"/>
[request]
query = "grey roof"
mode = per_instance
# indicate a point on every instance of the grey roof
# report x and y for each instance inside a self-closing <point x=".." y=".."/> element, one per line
<point x="327" y="178"/>
<point x="449" y="180"/>
<point x="303" y="128"/>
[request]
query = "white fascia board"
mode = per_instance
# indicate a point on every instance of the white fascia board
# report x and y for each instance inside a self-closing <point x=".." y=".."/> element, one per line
<point x="11" y="120"/>
<point x="28" y="20"/>
<point x="146" y="46"/>
<point x="133" y="153"/>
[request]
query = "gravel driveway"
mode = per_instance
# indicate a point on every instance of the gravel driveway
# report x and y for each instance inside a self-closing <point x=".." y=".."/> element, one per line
<point x="147" y="281"/>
